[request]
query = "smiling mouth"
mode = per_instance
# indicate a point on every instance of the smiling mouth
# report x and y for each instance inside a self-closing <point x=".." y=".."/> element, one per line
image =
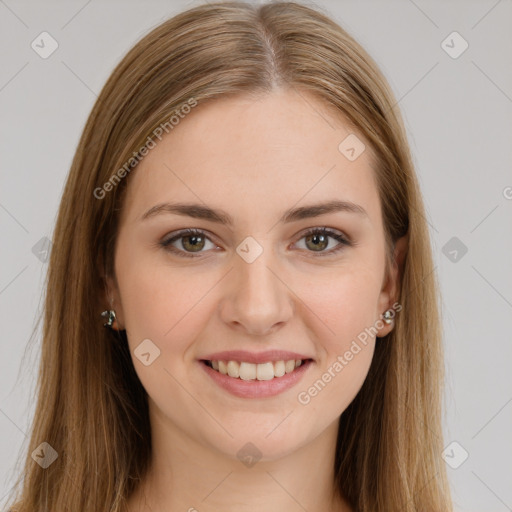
<point x="250" y="371"/>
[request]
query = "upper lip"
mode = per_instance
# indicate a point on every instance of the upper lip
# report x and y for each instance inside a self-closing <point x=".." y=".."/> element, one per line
<point x="254" y="357"/>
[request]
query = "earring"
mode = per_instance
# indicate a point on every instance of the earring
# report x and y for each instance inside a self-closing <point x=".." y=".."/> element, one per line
<point x="388" y="316"/>
<point x="110" y="314"/>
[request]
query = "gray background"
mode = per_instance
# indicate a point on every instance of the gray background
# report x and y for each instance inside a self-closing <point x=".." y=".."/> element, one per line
<point x="458" y="115"/>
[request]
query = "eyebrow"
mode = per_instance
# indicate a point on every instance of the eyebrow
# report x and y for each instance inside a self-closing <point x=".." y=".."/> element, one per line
<point x="200" y="211"/>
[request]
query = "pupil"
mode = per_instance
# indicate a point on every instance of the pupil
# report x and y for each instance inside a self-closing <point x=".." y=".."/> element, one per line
<point x="194" y="241"/>
<point x="316" y="240"/>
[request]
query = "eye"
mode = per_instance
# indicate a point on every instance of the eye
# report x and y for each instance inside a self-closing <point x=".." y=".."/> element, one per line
<point x="317" y="240"/>
<point x="192" y="241"/>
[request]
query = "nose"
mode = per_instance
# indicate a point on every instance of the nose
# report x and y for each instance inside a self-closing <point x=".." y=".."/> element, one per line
<point x="257" y="300"/>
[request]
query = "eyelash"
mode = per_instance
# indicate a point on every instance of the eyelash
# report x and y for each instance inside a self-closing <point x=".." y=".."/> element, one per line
<point x="166" y="244"/>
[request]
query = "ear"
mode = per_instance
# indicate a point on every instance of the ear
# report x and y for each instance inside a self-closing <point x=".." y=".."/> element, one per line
<point x="111" y="299"/>
<point x="391" y="287"/>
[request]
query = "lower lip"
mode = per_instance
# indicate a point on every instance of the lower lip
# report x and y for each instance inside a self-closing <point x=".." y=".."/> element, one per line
<point x="257" y="388"/>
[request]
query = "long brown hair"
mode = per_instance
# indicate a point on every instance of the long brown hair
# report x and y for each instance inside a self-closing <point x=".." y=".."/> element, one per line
<point x="91" y="407"/>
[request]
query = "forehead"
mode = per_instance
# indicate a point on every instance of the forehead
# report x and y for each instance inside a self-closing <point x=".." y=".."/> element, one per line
<point x="247" y="152"/>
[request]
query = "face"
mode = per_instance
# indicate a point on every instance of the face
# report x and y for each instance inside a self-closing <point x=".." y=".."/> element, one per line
<point x="280" y="281"/>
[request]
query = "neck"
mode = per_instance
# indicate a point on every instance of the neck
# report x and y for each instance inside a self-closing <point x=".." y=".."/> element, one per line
<point x="186" y="475"/>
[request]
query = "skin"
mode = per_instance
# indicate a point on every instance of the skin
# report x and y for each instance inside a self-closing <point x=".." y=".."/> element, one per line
<point x="253" y="157"/>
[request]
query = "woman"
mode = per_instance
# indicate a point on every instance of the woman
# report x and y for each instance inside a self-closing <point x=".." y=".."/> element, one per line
<point x="241" y="311"/>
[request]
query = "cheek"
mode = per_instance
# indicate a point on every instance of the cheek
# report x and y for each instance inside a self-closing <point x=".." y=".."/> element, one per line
<point x="163" y="303"/>
<point x="344" y="308"/>
<point x="170" y="309"/>
<point x="344" y="302"/>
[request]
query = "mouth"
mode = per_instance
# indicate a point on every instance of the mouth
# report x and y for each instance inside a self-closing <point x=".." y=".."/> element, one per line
<point x="267" y="371"/>
<point x="255" y="380"/>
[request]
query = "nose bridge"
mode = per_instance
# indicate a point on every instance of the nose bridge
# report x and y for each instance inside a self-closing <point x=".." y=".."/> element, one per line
<point x="256" y="277"/>
<point x="258" y="298"/>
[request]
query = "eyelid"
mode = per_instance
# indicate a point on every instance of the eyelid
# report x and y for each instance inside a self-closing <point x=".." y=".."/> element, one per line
<point x="334" y="233"/>
<point x="182" y="233"/>
<point x="342" y="239"/>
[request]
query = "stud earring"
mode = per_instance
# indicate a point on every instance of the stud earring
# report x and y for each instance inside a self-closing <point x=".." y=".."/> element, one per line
<point x="388" y="316"/>
<point x="110" y="315"/>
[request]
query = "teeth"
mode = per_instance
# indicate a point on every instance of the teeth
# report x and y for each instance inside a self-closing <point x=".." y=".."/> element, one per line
<point x="289" y="366"/>
<point x="234" y="369"/>
<point x="279" y="368"/>
<point x="250" y="371"/>
<point x="265" y="371"/>
<point x="223" y="368"/>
